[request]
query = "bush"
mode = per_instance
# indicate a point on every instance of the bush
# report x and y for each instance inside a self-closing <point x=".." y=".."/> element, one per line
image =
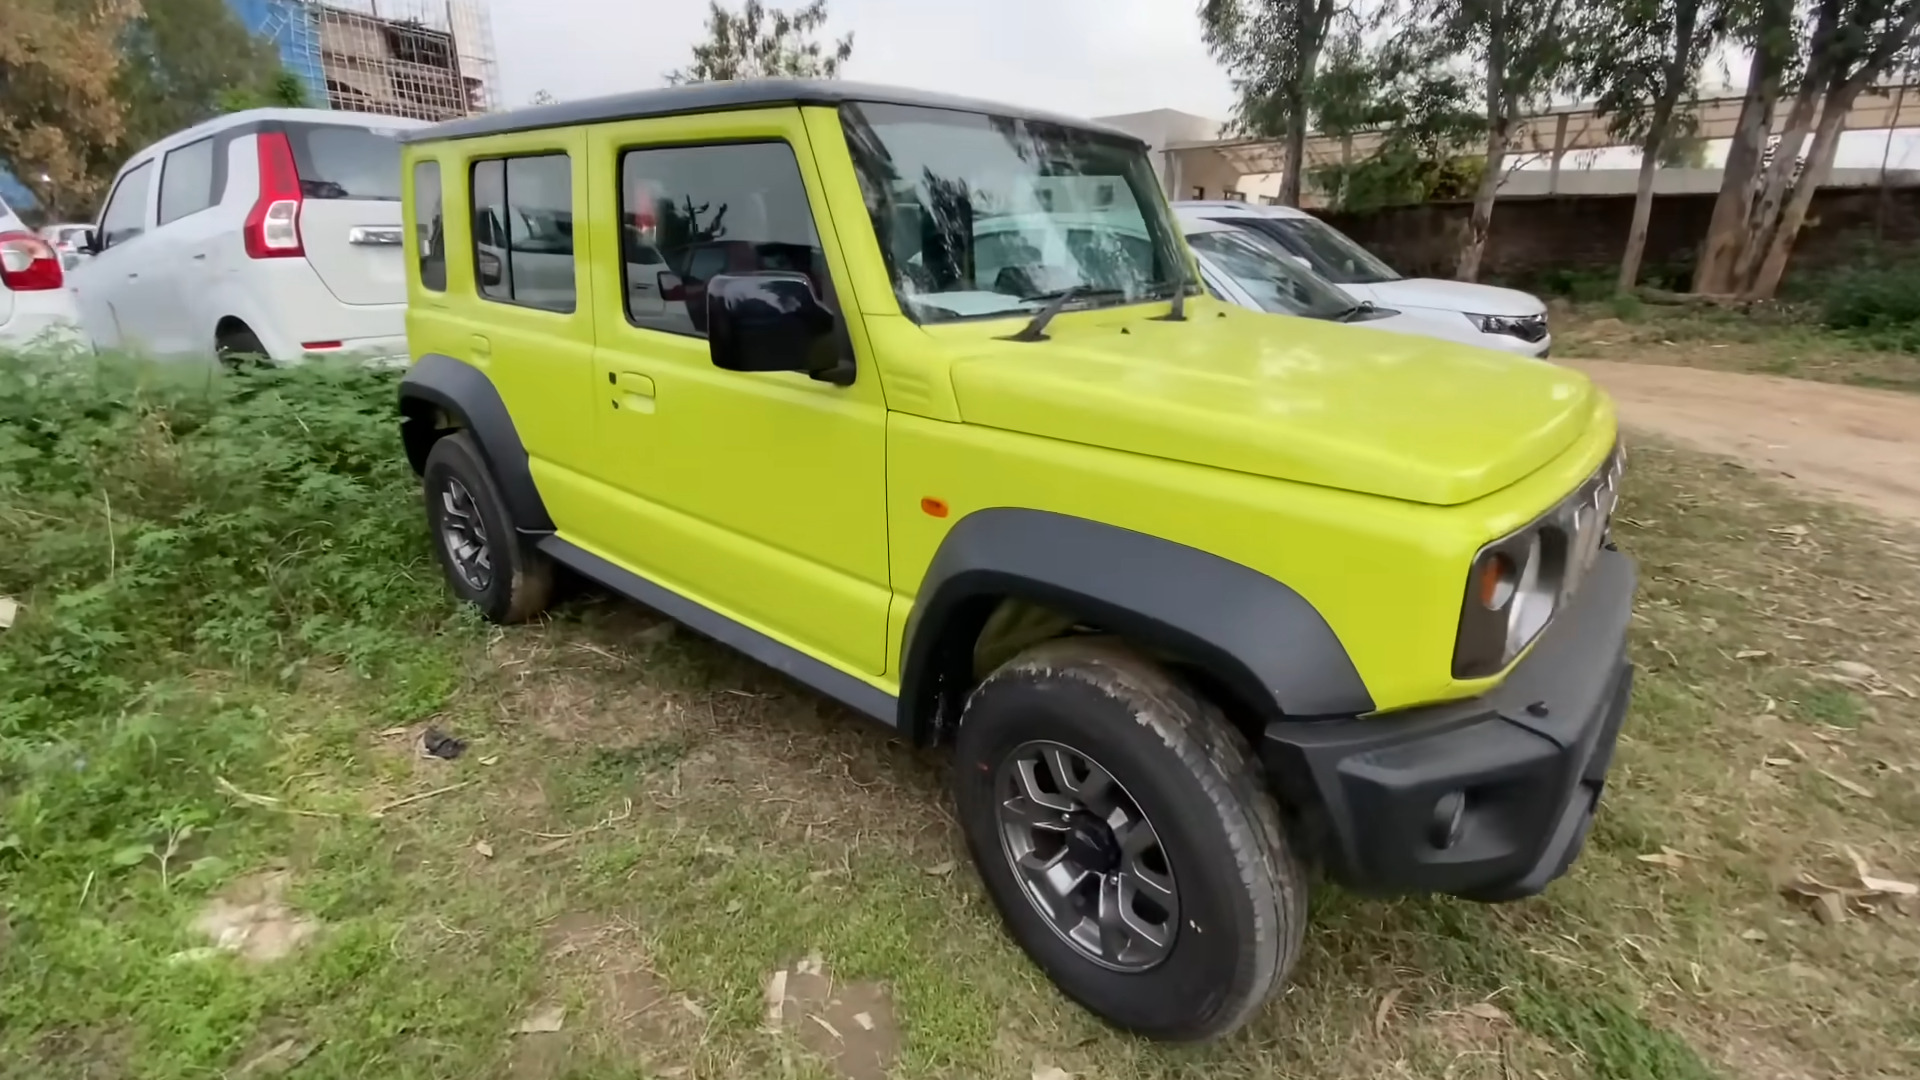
<point x="1878" y="302"/>
<point x="175" y="539"/>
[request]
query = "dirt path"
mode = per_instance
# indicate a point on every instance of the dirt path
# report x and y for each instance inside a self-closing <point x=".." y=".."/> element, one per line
<point x="1863" y="445"/>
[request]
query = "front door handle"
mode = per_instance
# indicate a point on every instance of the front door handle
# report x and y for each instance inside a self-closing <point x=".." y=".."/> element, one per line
<point x="636" y="392"/>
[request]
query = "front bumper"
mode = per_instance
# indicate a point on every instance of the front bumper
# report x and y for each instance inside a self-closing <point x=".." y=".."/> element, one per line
<point x="1525" y="763"/>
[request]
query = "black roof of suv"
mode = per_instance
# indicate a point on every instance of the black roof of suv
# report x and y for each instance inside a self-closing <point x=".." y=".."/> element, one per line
<point x="723" y="96"/>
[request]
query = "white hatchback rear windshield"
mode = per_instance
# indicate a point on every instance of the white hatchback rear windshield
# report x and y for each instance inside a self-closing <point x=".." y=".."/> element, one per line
<point x="339" y="162"/>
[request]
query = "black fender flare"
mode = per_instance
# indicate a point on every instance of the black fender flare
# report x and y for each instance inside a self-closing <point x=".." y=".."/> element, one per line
<point x="1263" y="641"/>
<point x="441" y="384"/>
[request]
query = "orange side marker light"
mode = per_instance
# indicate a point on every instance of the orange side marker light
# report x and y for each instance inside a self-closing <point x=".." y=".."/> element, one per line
<point x="934" y="507"/>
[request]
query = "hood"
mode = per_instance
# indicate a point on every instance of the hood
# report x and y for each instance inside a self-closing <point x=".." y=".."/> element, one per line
<point x="1296" y="399"/>
<point x="1455" y="296"/>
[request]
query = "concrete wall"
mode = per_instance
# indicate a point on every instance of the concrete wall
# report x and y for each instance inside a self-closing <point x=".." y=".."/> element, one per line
<point x="1535" y="235"/>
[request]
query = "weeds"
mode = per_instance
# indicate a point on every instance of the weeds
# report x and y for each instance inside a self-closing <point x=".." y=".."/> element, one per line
<point x="232" y="632"/>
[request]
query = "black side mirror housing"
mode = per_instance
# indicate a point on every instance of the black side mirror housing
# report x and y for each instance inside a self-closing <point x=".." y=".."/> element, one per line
<point x="772" y="321"/>
<point x="89" y="241"/>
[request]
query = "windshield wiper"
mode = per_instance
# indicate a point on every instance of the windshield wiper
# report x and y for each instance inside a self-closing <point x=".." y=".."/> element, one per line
<point x="1057" y="301"/>
<point x="1364" y="307"/>
<point x="1179" y="312"/>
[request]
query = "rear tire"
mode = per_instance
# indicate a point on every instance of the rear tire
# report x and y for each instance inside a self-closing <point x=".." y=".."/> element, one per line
<point x="239" y="348"/>
<point x="1180" y="930"/>
<point x="487" y="562"/>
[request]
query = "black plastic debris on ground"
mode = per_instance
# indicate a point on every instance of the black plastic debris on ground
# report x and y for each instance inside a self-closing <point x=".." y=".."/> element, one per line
<point x="439" y="744"/>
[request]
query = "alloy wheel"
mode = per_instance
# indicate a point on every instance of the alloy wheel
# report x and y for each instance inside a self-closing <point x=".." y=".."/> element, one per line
<point x="464" y="535"/>
<point x="1086" y="857"/>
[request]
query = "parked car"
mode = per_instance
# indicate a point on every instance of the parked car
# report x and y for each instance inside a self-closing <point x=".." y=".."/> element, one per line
<point x="1198" y="596"/>
<point x="1504" y="319"/>
<point x="1255" y="271"/>
<point x="35" y="302"/>
<point x="70" y="239"/>
<point x="271" y="232"/>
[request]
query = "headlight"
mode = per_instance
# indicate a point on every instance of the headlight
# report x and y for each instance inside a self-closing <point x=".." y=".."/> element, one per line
<point x="1524" y="327"/>
<point x="1519" y="581"/>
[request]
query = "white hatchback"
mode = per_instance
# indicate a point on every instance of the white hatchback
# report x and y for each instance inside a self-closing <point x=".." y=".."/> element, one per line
<point x="1490" y="316"/>
<point x="34" y="299"/>
<point x="271" y="232"/>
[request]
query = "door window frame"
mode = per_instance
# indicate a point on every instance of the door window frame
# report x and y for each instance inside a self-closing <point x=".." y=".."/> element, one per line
<point x="830" y="292"/>
<point x="216" y="178"/>
<point x="103" y="240"/>
<point x="473" y="164"/>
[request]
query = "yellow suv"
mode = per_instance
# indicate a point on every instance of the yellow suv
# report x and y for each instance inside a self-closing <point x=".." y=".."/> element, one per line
<point x="918" y="401"/>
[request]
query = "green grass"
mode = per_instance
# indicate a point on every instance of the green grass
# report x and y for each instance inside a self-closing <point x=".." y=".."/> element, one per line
<point x="644" y="826"/>
<point x="1782" y="339"/>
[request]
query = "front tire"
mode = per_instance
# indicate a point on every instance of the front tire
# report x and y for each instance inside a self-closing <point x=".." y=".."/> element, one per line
<point x="487" y="562"/>
<point x="1127" y="839"/>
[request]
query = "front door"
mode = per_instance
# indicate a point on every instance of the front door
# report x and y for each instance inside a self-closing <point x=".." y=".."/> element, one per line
<point x="758" y="495"/>
<point x="107" y="286"/>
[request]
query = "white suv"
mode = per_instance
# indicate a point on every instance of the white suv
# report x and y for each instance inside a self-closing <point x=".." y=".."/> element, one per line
<point x="274" y="232"/>
<point x="34" y="300"/>
<point x="1493" y="317"/>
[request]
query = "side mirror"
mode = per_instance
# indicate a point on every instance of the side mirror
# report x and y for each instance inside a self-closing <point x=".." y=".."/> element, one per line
<point x="89" y="243"/>
<point x="772" y="321"/>
<point x="487" y="266"/>
<point x="670" y="285"/>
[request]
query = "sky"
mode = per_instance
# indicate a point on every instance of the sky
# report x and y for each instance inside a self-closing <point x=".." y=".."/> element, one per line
<point x="1079" y="57"/>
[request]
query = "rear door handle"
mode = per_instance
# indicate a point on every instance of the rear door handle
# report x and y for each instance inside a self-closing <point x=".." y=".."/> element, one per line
<point x="482" y="347"/>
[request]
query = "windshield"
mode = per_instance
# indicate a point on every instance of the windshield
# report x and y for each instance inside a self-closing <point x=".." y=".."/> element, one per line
<point x="1329" y="251"/>
<point x="990" y="215"/>
<point x="1276" y="282"/>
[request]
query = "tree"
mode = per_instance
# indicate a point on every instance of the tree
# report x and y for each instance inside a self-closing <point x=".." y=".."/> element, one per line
<point x="1272" y="50"/>
<point x="1641" y="66"/>
<point x="759" y="43"/>
<point x="284" y="91"/>
<point x="188" y="60"/>
<point x="58" y="110"/>
<point x="1423" y="118"/>
<point x="1519" y="51"/>
<point x="1829" y="55"/>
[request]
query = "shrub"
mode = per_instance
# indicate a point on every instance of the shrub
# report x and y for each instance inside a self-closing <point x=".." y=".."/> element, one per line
<point x="1879" y="302"/>
<point x="155" y="523"/>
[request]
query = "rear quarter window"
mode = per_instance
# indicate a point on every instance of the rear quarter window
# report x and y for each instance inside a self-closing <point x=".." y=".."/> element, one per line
<point x="340" y="162"/>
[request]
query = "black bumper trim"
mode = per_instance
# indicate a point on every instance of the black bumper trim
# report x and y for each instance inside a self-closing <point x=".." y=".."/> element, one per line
<point x="1529" y="759"/>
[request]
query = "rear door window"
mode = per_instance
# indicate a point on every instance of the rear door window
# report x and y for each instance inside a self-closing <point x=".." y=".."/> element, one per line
<point x="523" y="230"/>
<point x="341" y="162"/>
<point x="186" y="181"/>
<point x="426" y="216"/>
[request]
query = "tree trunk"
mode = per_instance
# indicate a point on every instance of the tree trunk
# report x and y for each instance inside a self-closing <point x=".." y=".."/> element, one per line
<point x="1499" y="118"/>
<point x="1826" y="141"/>
<point x="1480" y="222"/>
<point x="1642" y="214"/>
<point x="1727" y="228"/>
<point x="1296" y="152"/>
<point x="1763" y="217"/>
<point x="1311" y="21"/>
<point x="1677" y="76"/>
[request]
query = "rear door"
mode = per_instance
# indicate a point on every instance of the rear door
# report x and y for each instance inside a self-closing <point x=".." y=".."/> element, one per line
<point x="350" y="209"/>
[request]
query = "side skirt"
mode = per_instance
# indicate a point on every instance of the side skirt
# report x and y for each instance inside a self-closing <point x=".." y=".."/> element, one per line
<point x="794" y="664"/>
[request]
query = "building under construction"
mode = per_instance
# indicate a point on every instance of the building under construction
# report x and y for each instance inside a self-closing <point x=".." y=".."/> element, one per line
<point x="427" y="59"/>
